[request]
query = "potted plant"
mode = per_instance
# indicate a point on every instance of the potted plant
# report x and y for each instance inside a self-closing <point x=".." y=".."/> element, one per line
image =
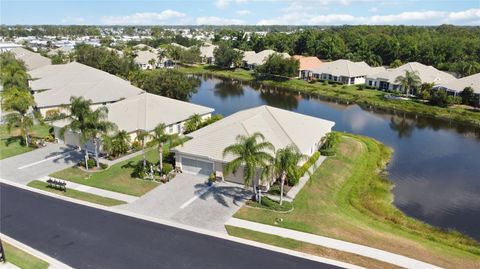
<point x="211" y="179"/>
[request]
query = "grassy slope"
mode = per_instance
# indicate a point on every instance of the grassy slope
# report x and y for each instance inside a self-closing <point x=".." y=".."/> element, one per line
<point x="10" y="142"/>
<point x="85" y="196"/>
<point x="22" y="259"/>
<point x="348" y="199"/>
<point x="309" y="248"/>
<point x="350" y="94"/>
<point x="116" y="178"/>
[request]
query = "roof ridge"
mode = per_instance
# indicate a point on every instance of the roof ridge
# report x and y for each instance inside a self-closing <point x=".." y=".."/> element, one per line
<point x="281" y="127"/>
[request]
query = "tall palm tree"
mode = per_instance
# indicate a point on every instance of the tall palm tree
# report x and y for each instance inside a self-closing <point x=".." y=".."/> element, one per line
<point x="286" y="163"/>
<point x="193" y="123"/>
<point x="251" y="154"/>
<point x="142" y="135"/>
<point x="96" y="125"/>
<point x="409" y="80"/>
<point x="161" y="137"/>
<point x="18" y="101"/>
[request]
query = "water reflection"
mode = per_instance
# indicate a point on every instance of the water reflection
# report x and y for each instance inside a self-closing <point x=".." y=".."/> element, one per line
<point x="435" y="166"/>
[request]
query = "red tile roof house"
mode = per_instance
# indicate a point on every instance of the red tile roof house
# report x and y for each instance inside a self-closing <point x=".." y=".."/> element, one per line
<point x="307" y="64"/>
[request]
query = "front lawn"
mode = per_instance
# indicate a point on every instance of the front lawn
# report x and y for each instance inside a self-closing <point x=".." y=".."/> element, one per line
<point x="347" y="198"/>
<point x="85" y="196"/>
<point x="12" y="143"/>
<point x="116" y="178"/>
<point x="22" y="259"/>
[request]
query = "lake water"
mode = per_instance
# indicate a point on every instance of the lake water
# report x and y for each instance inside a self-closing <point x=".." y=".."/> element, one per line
<point x="435" y="166"/>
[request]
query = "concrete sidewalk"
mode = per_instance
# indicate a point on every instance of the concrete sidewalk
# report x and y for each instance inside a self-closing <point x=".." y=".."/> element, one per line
<point x="100" y="192"/>
<point x="361" y="250"/>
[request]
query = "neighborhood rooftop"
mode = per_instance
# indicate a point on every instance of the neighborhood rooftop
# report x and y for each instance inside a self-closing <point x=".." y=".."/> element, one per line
<point x="427" y="74"/>
<point x="457" y="85"/>
<point x="146" y="111"/>
<point x="346" y="68"/>
<point x="31" y="59"/>
<point x="280" y="127"/>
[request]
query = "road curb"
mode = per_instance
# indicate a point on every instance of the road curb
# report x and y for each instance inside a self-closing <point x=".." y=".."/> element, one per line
<point x="188" y="228"/>
<point x="54" y="263"/>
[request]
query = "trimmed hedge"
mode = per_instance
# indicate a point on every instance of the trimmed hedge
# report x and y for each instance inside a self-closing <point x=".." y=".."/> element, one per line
<point x="313" y="159"/>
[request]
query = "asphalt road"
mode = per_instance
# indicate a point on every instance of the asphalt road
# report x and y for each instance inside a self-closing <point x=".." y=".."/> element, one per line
<point x="85" y="237"/>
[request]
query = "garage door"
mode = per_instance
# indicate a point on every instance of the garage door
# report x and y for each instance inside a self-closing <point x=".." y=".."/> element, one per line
<point x="194" y="166"/>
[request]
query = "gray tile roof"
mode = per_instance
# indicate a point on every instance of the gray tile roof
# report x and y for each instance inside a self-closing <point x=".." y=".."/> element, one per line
<point x="32" y="60"/>
<point x="427" y="74"/>
<point x="458" y="85"/>
<point x="346" y="68"/>
<point x="280" y="127"/>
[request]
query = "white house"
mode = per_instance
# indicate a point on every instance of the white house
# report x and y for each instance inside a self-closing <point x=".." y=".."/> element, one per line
<point x="454" y="87"/>
<point x="203" y="154"/>
<point x="206" y="53"/>
<point x="386" y="80"/>
<point x="251" y="59"/>
<point x="344" y="71"/>
<point x="146" y="59"/>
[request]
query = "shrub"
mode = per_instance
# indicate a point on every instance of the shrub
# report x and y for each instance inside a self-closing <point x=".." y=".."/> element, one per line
<point x="329" y="145"/>
<point x="361" y="87"/>
<point x="136" y="146"/>
<point x="275" y="189"/>
<point x="103" y="166"/>
<point x="91" y="163"/>
<point x="54" y="114"/>
<point x="311" y="161"/>
<point x="325" y="82"/>
<point x="167" y="168"/>
<point x="272" y="204"/>
<point x="139" y="171"/>
<point x="49" y="138"/>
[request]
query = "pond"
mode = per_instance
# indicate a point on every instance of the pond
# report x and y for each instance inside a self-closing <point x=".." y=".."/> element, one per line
<point x="435" y="166"/>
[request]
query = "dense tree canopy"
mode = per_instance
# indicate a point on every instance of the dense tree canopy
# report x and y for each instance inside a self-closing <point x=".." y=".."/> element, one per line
<point x="277" y="65"/>
<point x="226" y="57"/>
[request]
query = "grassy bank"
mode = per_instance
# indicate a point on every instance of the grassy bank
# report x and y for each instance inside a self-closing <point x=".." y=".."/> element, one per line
<point x="85" y="196"/>
<point x="22" y="259"/>
<point x="348" y="198"/>
<point x="350" y="94"/>
<point x="11" y="143"/>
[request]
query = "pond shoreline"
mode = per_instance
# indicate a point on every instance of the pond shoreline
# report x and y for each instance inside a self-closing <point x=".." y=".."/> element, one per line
<point x="366" y="99"/>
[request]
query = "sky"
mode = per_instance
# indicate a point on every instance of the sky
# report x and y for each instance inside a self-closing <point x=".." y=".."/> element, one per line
<point x="252" y="12"/>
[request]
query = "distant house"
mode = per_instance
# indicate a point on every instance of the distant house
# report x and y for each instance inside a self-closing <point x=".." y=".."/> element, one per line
<point x="307" y="64"/>
<point x="31" y="59"/>
<point x="386" y="80"/>
<point x="4" y="47"/>
<point x="206" y="53"/>
<point x="143" y="112"/>
<point x="146" y="59"/>
<point x="65" y="50"/>
<point x="203" y="154"/>
<point x="344" y="71"/>
<point x="251" y="59"/>
<point x="456" y="86"/>
<point x="54" y="85"/>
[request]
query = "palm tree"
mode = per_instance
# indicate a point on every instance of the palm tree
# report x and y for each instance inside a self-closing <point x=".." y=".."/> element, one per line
<point x="286" y="163"/>
<point x="250" y="154"/>
<point x="161" y="137"/>
<point x="117" y="144"/>
<point x="141" y="136"/>
<point x="411" y="79"/>
<point x="152" y="62"/>
<point x="96" y="125"/>
<point x="18" y="101"/>
<point x="193" y="123"/>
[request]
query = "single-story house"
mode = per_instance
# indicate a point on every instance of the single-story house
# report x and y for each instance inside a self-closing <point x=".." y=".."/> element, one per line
<point x="144" y="59"/>
<point x="386" y="80"/>
<point x="203" y="154"/>
<point x="142" y="112"/>
<point x="31" y="59"/>
<point x="251" y="59"/>
<point x="344" y="71"/>
<point x="206" y="53"/>
<point x="455" y="87"/>
<point x="307" y="64"/>
<point x="57" y="83"/>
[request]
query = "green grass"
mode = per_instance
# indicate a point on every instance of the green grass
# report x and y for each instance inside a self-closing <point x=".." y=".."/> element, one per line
<point x="116" y="178"/>
<point x="22" y="259"/>
<point x="270" y="204"/>
<point x="348" y="198"/>
<point x="349" y="95"/>
<point x="11" y="143"/>
<point x="85" y="196"/>
<point x="307" y="248"/>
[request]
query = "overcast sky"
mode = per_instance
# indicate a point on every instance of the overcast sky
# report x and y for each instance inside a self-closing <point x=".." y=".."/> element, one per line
<point x="221" y="12"/>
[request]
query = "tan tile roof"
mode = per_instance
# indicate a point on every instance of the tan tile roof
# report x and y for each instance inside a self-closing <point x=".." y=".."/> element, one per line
<point x="307" y="62"/>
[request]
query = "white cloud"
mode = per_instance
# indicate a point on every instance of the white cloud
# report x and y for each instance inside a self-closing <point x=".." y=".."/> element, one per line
<point x="73" y="20"/>
<point x="374" y="10"/>
<point x="241" y="1"/>
<point x="145" y="18"/>
<point x="222" y="3"/>
<point x="411" y="18"/>
<point x="244" y="12"/>
<point x="218" y="21"/>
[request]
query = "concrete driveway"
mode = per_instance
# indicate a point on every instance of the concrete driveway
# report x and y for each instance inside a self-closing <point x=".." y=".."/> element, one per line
<point x="186" y="199"/>
<point x="38" y="163"/>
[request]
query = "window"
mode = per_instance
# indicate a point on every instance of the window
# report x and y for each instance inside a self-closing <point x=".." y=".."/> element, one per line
<point x="170" y="129"/>
<point x="369" y="83"/>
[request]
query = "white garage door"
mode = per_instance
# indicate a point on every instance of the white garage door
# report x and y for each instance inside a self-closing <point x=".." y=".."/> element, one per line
<point x="194" y="166"/>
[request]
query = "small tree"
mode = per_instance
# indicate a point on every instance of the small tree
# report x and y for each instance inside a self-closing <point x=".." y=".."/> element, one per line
<point x="408" y="81"/>
<point x="226" y="56"/>
<point x="277" y="64"/>
<point x="440" y="98"/>
<point x="117" y="144"/>
<point x="18" y="102"/>
<point x="468" y="96"/>
<point x="96" y="125"/>
<point x="396" y="63"/>
<point x="193" y="123"/>
<point x="286" y="163"/>
<point x="142" y="135"/>
<point x="161" y="137"/>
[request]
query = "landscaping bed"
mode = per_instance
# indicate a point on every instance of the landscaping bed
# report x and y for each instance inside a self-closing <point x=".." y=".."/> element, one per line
<point x="270" y="204"/>
<point x="348" y="198"/>
<point x="85" y="196"/>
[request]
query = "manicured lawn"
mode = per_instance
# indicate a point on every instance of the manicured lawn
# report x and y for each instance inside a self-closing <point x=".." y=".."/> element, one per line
<point x="116" y="178"/>
<point x="349" y="94"/>
<point x="22" y="259"/>
<point x="11" y="143"/>
<point x="85" y="196"/>
<point x="348" y="199"/>
<point x="308" y="248"/>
